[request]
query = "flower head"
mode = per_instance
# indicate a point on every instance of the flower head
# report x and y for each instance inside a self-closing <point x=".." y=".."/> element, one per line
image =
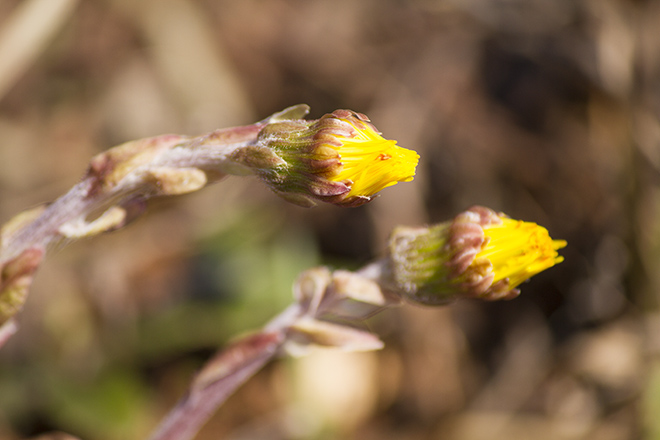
<point x="518" y="250"/>
<point x="479" y="254"/>
<point x="368" y="161"/>
<point x="340" y="158"/>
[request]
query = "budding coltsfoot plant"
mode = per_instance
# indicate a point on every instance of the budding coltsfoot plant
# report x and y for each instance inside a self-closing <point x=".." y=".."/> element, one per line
<point x="340" y="159"/>
<point x="479" y="254"/>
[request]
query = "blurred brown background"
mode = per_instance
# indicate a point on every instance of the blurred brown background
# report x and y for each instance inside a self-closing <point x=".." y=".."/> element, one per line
<point x="544" y="109"/>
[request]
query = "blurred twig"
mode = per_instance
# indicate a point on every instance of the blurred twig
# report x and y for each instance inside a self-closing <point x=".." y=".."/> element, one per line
<point x="26" y="33"/>
<point x="231" y="368"/>
<point x="319" y="294"/>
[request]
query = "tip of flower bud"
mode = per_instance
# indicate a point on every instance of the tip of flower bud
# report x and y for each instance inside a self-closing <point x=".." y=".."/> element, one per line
<point x="518" y="250"/>
<point x="369" y="163"/>
<point x="480" y="254"/>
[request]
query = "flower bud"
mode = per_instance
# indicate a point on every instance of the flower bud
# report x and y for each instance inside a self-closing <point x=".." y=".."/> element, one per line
<point x="479" y="254"/>
<point x="340" y="158"/>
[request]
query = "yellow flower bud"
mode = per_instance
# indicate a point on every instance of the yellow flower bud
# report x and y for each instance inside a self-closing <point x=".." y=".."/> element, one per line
<point x="480" y="254"/>
<point x="340" y="159"/>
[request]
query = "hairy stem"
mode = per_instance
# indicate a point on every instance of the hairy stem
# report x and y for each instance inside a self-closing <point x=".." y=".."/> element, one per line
<point x="229" y="370"/>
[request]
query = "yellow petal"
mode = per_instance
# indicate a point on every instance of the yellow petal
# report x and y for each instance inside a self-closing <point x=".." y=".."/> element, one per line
<point x="518" y="250"/>
<point x="370" y="162"/>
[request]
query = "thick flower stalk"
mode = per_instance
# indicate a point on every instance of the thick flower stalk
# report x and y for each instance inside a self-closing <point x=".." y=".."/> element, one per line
<point x="480" y="254"/>
<point x="339" y="159"/>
